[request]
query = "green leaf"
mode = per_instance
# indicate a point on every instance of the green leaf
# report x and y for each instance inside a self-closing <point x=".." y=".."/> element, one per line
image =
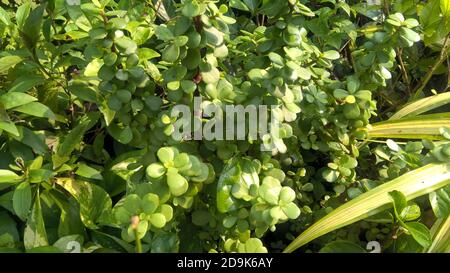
<point x="251" y="4"/>
<point x="341" y="246"/>
<point x="25" y="83"/>
<point x="75" y="136"/>
<point x="409" y="34"/>
<point x="35" y="234"/>
<point x="254" y="245"/>
<point x="399" y="201"/>
<point x="84" y="92"/>
<point x="188" y="86"/>
<point x="178" y="185"/>
<point x="412" y="184"/>
<point x="88" y="172"/>
<point x="158" y="220"/>
<point x="150" y="203"/>
<point x="171" y="53"/>
<point x="7" y="62"/>
<point x="22" y="14"/>
<point x="166" y="154"/>
<point x="180" y="40"/>
<point x="241" y="174"/>
<point x="331" y="55"/>
<point x="163" y="33"/>
<point x="419" y="232"/>
<point x="22" y="200"/>
<point x="257" y="74"/>
<point x="291" y="210"/>
<point x="191" y="9"/>
<point x="238" y="4"/>
<point x="95" y="203"/>
<point x="156" y="170"/>
<point x="36" y="109"/>
<point x="8" y="226"/>
<point x="276" y="59"/>
<point x="7" y="176"/>
<point x="213" y="36"/>
<point x="147" y="53"/>
<point x="4" y="17"/>
<point x="410" y="213"/>
<point x="31" y="29"/>
<point x="210" y="74"/>
<point x="123" y="135"/>
<point x="98" y="33"/>
<point x="126" y="44"/>
<point x="9" y="127"/>
<point x="31" y="139"/>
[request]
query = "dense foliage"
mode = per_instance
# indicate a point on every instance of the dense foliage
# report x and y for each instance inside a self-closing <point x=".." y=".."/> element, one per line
<point x="87" y="156"/>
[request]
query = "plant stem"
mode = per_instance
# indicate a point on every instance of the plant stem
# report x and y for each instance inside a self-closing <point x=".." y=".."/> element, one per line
<point x="403" y="68"/>
<point x="138" y="242"/>
<point x="426" y="79"/>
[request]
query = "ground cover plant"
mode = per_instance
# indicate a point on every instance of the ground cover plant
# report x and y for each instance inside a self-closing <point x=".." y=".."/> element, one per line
<point x="355" y="94"/>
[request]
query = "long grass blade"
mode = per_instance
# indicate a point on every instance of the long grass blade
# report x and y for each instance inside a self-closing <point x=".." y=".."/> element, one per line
<point x="422" y="106"/>
<point x="420" y="127"/>
<point x="412" y="184"/>
<point x="441" y="236"/>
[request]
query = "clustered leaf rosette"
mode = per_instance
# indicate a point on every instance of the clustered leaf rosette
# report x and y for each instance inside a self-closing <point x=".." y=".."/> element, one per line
<point x="183" y="174"/>
<point x="248" y="205"/>
<point x="250" y="245"/>
<point x="138" y="214"/>
<point x="173" y="182"/>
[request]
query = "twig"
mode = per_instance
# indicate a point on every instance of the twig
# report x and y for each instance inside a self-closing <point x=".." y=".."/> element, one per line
<point x="426" y="79"/>
<point x="403" y="69"/>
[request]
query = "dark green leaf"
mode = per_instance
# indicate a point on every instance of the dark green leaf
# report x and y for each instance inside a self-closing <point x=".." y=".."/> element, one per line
<point x="75" y="136"/>
<point x="22" y="200"/>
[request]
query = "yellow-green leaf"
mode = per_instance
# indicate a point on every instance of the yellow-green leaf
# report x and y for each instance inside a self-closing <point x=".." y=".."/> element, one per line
<point x="420" y="127"/>
<point x="412" y="184"/>
<point x="422" y="106"/>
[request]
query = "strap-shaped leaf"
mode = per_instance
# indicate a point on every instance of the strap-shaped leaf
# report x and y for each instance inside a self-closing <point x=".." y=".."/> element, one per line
<point x="420" y="127"/>
<point x="441" y="236"/>
<point x="422" y="106"/>
<point x="412" y="184"/>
